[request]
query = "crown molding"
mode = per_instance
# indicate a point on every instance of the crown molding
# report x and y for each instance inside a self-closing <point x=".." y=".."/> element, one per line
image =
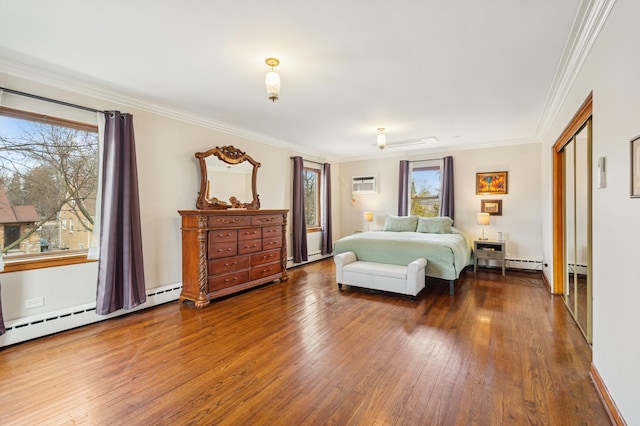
<point x="59" y="81"/>
<point x="586" y="27"/>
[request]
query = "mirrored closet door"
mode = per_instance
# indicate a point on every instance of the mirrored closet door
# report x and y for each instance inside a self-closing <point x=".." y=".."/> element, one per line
<point x="577" y="227"/>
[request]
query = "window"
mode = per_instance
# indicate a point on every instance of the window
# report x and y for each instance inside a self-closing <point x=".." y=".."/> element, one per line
<point x="48" y="179"/>
<point x="11" y="234"/>
<point x="312" y="206"/>
<point x="425" y="189"/>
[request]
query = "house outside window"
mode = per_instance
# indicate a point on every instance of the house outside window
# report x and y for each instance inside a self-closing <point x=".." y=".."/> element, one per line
<point x="425" y="184"/>
<point x="49" y="178"/>
<point x="312" y="205"/>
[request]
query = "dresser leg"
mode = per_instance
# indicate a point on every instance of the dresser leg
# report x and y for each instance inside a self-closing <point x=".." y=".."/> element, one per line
<point x="201" y="301"/>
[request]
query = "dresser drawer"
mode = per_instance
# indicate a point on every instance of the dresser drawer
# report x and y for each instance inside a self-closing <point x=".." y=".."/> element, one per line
<point x="228" y="221"/>
<point x="249" y="233"/>
<point x="271" y="243"/>
<point x="222" y="266"/>
<point x="228" y="280"/>
<point x="223" y="250"/>
<point x="222" y="235"/>
<point x="489" y="254"/>
<point x="267" y="220"/>
<point x="271" y="231"/>
<point x="265" y="270"/>
<point x="265" y="257"/>
<point x="249" y="246"/>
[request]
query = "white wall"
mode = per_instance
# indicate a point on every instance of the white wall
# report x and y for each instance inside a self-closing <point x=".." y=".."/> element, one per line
<point x="520" y="221"/>
<point x="611" y="72"/>
<point x="169" y="181"/>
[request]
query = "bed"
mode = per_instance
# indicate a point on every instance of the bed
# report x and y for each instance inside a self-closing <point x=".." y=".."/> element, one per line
<point x="406" y="238"/>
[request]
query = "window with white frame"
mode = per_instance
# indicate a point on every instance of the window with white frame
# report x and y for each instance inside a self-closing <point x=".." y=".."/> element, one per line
<point x="424" y="186"/>
<point x="48" y="178"/>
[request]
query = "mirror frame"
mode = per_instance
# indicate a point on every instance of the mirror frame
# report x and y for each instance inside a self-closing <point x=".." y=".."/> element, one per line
<point x="229" y="155"/>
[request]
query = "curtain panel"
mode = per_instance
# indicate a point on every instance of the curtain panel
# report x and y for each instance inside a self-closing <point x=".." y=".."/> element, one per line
<point x="121" y="282"/>
<point x="327" y="232"/>
<point x="299" y="223"/>
<point x="446" y="192"/>
<point x="2" y="328"/>
<point x="403" y="189"/>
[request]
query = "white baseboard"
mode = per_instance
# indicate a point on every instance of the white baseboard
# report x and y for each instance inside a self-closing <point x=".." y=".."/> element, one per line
<point x="40" y="325"/>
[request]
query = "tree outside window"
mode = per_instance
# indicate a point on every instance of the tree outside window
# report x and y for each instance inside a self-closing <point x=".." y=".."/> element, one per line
<point x="48" y="166"/>
<point x="425" y="191"/>
<point x="312" y="207"/>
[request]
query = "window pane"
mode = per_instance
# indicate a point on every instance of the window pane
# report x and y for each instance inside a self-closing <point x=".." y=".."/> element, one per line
<point x="48" y="179"/>
<point x="312" y="197"/>
<point x="425" y="191"/>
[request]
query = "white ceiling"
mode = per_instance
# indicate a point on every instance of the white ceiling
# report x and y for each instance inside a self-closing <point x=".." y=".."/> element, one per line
<point x="465" y="71"/>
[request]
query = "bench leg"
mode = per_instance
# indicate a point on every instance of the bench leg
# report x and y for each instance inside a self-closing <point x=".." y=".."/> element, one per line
<point x="451" y="287"/>
<point x="340" y="286"/>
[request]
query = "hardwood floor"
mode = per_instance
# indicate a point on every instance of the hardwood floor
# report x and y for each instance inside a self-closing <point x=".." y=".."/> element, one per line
<point x="501" y="351"/>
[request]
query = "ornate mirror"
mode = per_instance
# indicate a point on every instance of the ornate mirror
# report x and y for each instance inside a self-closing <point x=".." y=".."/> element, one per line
<point x="227" y="180"/>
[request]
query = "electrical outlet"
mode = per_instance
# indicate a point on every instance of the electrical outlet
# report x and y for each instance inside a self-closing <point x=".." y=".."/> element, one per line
<point x="34" y="303"/>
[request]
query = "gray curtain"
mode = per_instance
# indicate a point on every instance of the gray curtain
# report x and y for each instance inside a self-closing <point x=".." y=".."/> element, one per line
<point x="120" y="268"/>
<point x="403" y="189"/>
<point x="327" y="237"/>
<point x="2" y="328"/>
<point x="299" y="222"/>
<point x="446" y="192"/>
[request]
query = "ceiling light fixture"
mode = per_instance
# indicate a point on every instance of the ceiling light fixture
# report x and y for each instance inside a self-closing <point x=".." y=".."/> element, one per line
<point x="272" y="80"/>
<point x="382" y="139"/>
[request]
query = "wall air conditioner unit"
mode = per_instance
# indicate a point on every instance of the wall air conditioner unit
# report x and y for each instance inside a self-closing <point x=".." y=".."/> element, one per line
<point x="364" y="185"/>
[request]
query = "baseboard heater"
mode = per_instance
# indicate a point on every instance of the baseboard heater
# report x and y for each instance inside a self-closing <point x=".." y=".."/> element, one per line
<point x="535" y="265"/>
<point x="311" y="257"/>
<point x="35" y="326"/>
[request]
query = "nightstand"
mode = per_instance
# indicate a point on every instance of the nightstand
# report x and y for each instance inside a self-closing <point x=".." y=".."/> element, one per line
<point x="489" y="250"/>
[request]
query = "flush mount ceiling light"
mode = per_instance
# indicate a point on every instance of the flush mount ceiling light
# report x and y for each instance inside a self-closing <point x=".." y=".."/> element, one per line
<point x="272" y="80"/>
<point x="382" y="139"/>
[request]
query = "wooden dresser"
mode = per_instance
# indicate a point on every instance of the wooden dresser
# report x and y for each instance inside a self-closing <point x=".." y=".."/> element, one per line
<point x="227" y="251"/>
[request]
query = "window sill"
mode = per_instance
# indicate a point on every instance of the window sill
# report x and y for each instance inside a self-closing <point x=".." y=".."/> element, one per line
<point x="310" y="230"/>
<point x="27" y="263"/>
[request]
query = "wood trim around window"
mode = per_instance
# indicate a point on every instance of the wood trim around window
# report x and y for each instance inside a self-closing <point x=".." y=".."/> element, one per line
<point x="26" y="262"/>
<point x="46" y="119"/>
<point x="579" y="119"/>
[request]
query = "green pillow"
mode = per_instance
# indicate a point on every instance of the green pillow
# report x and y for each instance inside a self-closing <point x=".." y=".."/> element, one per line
<point x="435" y="225"/>
<point x="400" y="223"/>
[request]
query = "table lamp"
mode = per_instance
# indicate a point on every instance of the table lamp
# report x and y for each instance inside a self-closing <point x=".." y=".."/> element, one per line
<point x="483" y="219"/>
<point x="368" y="217"/>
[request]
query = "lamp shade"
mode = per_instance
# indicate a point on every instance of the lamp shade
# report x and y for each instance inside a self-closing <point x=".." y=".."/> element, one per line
<point x="368" y="216"/>
<point x="272" y="82"/>
<point x="483" y="218"/>
<point x="382" y="139"/>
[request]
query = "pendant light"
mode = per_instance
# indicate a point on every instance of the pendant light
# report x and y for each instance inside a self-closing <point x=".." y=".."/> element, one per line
<point x="382" y="139"/>
<point x="272" y="80"/>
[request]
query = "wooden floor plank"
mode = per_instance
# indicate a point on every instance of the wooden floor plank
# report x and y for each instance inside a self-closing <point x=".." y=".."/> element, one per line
<point x="501" y="351"/>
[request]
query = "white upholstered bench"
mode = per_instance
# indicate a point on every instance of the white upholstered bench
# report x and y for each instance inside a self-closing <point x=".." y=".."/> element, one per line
<point x="380" y="276"/>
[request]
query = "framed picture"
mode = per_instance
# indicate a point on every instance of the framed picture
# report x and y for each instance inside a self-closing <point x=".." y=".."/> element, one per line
<point x="491" y="183"/>
<point x="493" y="207"/>
<point x="635" y="167"/>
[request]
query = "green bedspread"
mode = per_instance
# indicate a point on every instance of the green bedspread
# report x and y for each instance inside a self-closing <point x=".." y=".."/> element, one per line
<point x="446" y="254"/>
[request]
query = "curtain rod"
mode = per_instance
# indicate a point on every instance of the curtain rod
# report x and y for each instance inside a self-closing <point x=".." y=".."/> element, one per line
<point x="426" y="159"/>
<point x="53" y="101"/>
<point x="309" y="161"/>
